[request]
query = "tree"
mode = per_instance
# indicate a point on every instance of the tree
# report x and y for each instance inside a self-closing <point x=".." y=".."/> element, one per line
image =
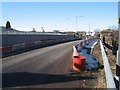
<point x="8" y="26"/>
<point x="34" y="30"/>
<point x="42" y="29"/>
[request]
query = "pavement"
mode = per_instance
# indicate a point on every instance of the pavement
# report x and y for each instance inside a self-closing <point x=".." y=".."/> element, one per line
<point x="48" y="67"/>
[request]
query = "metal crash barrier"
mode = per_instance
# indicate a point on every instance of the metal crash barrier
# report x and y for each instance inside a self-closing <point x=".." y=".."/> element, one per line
<point x="109" y="78"/>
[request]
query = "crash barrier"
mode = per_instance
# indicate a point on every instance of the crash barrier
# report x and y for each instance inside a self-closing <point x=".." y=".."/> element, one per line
<point x="14" y="39"/>
<point x="79" y="61"/>
<point x="109" y="78"/>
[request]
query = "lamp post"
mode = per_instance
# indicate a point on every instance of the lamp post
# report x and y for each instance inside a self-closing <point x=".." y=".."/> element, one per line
<point x="89" y="28"/>
<point x="118" y="55"/>
<point x="76" y="21"/>
<point x="67" y="23"/>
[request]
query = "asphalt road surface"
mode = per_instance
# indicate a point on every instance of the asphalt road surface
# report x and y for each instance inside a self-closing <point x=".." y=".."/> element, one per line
<point x="47" y="67"/>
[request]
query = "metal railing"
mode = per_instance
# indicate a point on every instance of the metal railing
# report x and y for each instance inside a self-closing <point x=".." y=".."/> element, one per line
<point x="109" y="78"/>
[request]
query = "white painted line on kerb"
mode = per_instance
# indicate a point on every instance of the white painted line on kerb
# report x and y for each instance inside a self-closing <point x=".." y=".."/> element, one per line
<point x="109" y="78"/>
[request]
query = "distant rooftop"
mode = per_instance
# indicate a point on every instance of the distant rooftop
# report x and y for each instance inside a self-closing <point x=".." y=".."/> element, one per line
<point x="81" y="32"/>
<point x="106" y="31"/>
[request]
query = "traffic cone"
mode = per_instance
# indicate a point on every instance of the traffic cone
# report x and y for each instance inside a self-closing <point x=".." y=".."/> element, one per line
<point x="78" y="61"/>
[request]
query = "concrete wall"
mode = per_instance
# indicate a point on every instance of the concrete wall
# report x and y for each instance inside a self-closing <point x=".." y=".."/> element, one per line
<point x="9" y="40"/>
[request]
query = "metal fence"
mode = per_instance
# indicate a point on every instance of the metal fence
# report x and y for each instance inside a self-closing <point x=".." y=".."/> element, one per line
<point x="109" y="78"/>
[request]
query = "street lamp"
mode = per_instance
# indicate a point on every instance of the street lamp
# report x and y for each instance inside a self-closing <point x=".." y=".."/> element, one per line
<point x="67" y="23"/>
<point x="118" y="55"/>
<point x="76" y="21"/>
<point x="90" y="27"/>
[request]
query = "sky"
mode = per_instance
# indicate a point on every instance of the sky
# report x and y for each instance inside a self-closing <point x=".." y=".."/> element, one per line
<point x="60" y="15"/>
<point x="59" y="0"/>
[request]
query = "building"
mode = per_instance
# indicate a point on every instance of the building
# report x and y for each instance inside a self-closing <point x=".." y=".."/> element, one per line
<point x="56" y="31"/>
<point x="81" y="34"/>
<point x="70" y="33"/>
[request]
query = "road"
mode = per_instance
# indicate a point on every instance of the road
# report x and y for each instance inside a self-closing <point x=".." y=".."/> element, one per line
<point x="47" y="67"/>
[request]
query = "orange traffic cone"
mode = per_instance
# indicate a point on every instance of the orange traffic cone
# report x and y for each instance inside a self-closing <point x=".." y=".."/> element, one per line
<point x="79" y="63"/>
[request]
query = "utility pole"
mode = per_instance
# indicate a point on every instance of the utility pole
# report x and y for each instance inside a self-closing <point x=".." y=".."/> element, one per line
<point x="118" y="57"/>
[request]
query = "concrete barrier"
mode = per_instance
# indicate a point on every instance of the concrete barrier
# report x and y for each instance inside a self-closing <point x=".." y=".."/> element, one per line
<point x="10" y="40"/>
<point x="29" y="44"/>
<point x="80" y="45"/>
<point x="37" y="42"/>
<point x="6" y="49"/>
<point x="79" y="61"/>
<point x="18" y="46"/>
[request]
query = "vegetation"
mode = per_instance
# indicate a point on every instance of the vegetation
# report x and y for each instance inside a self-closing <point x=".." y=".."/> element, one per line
<point x="33" y="30"/>
<point x="116" y="36"/>
<point x="8" y="26"/>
